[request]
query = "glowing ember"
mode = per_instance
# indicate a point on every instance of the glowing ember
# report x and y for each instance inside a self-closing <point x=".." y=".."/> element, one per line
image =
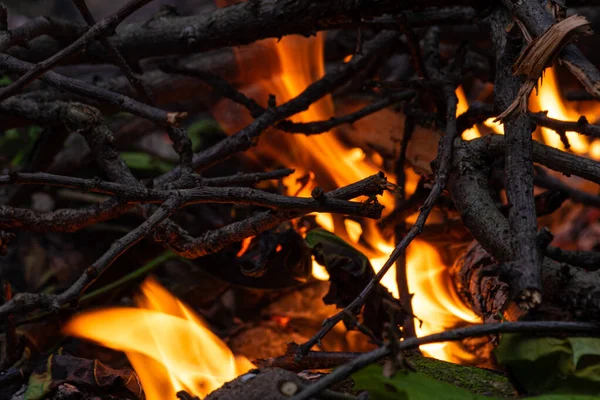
<point x="168" y="345"/>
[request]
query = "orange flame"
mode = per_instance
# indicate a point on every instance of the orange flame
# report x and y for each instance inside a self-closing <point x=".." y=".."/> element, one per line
<point x="168" y="345"/>
<point x="329" y="163"/>
<point x="549" y="99"/>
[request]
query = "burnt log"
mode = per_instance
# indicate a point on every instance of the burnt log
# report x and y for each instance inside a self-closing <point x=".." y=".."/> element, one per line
<point x="570" y="293"/>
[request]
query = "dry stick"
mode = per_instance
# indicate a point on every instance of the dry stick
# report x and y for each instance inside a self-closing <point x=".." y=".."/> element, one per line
<point x="247" y="179"/>
<point x="61" y="220"/>
<point x="246" y="137"/>
<point x="553" y="158"/>
<point x="79" y="45"/>
<point x="581" y="126"/>
<point x="99" y="186"/>
<point x="544" y="180"/>
<point x="24" y="302"/>
<point x="523" y="269"/>
<point x="88" y="90"/>
<point x="40" y="26"/>
<point x="444" y="158"/>
<point x="213" y="241"/>
<point x="543" y="327"/>
<point x="132" y="193"/>
<point x="589" y="260"/>
<point x="181" y="141"/>
<point x="316" y="127"/>
<point x="313" y="360"/>
<point x="537" y="20"/>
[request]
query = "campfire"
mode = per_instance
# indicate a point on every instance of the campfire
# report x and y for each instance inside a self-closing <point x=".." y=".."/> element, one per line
<point x="210" y="202"/>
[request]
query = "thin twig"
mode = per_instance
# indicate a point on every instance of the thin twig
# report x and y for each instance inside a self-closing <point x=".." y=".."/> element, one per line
<point x="246" y="179"/>
<point x="138" y="194"/>
<point x="581" y="126"/>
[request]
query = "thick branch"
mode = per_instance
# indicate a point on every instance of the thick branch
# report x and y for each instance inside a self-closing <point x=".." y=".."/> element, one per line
<point x="239" y="24"/>
<point x="523" y="268"/>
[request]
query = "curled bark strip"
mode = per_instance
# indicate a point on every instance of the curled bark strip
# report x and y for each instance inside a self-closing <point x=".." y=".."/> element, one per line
<point x="538" y="20"/>
<point x="541" y="53"/>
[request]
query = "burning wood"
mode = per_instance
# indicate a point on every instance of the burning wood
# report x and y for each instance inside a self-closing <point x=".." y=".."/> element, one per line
<point x="307" y="157"/>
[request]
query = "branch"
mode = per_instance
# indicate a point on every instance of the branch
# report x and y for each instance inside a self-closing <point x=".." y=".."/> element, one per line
<point x="589" y="260"/>
<point x="39" y="26"/>
<point x="222" y="28"/>
<point x="181" y="141"/>
<point x="547" y="181"/>
<point x="581" y="126"/>
<point x="246" y="179"/>
<point x="88" y="90"/>
<point x="113" y="52"/>
<point x="63" y="220"/>
<point x="523" y="270"/>
<point x="109" y="23"/>
<point x="24" y="302"/>
<point x="212" y="241"/>
<point x="135" y="193"/>
<point x="557" y="160"/>
<point x="545" y="327"/>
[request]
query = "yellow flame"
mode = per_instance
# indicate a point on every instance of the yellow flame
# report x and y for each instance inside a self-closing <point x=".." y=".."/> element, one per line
<point x="168" y="345"/>
<point x="461" y="107"/>
<point x="549" y="99"/>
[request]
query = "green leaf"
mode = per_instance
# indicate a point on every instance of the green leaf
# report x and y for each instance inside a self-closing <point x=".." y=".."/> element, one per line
<point x="145" y="162"/>
<point x="542" y="365"/>
<point x="200" y="129"/>
<point x="40" y="383"/>
<point x="333" y="252"/>
<point x="5" y="80"/>
<point x="408" y="386"/>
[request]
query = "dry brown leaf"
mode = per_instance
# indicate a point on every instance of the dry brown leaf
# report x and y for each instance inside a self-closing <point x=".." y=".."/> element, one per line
<point x="541" y="52"/>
